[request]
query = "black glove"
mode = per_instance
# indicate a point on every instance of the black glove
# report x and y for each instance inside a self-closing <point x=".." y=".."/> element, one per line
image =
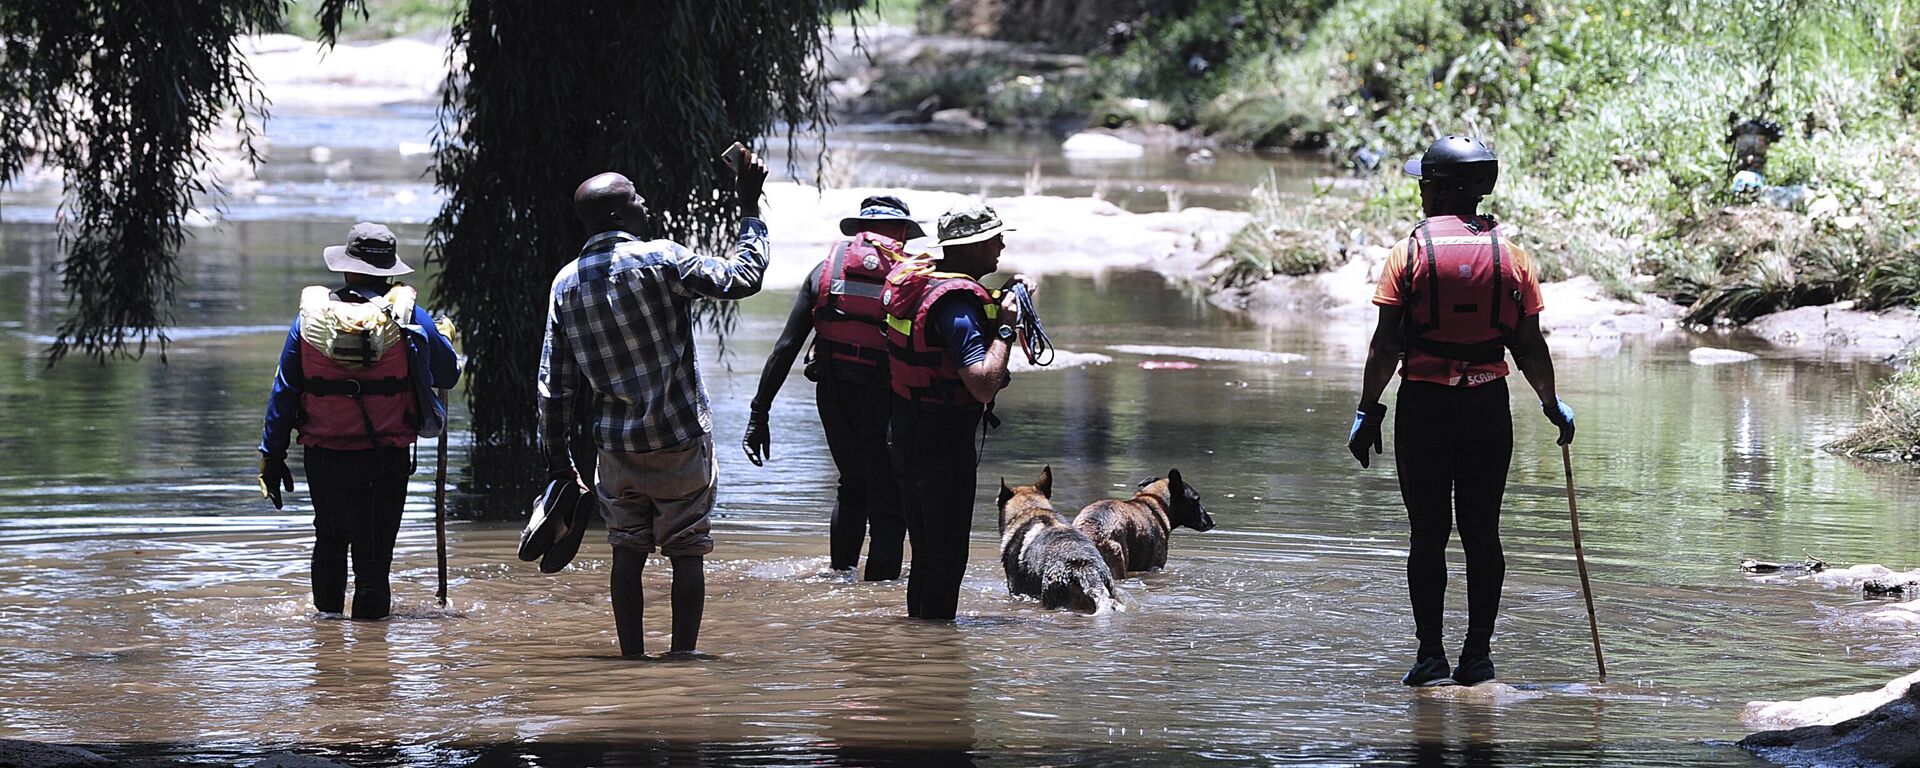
<point x="749" y="180"/>
<point x="1561" y="415"/>
<point x="1365" y="432"/>
<point x="759" y="439"/>
<point x="274" y="475"/>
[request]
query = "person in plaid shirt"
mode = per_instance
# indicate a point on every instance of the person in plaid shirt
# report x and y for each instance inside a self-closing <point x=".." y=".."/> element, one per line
<point x="621" y="318"/>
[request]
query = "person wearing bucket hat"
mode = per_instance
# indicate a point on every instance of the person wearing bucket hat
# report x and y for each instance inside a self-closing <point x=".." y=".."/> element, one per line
<point x="351" y="381"/>
<point x="1455" y="296"/>
<point x="620" y="318"/>
<point x="948" y="343"/>
<point x="839" y="306"/>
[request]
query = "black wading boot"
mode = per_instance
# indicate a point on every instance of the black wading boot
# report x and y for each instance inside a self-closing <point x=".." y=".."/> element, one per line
<point x="1428" y="672"/>
<point x="1473" y="670"/>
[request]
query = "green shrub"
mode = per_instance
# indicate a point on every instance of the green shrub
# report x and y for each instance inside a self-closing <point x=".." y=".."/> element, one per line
<point x="1611" y="119"/>
<point x="1892" y="428"/>
<point x="1287" y="235"/>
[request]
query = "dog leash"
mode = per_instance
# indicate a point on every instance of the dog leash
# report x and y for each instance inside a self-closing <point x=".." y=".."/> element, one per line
<point x="1034" y="342"/>
<point x="988" y="421"/>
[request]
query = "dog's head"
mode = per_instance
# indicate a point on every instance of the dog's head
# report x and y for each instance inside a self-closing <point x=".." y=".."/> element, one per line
<point x="1022" y="499"/>
<point x="1183" y="503"/>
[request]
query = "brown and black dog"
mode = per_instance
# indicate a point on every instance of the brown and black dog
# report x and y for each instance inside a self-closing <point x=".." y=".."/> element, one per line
<point x="1046" y="558"/>
<point x="1132" y="533"/>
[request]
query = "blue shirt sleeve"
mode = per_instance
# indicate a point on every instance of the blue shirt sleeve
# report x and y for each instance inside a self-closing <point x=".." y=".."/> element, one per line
<point x="960" y="324"/>
<point x="284" y="403"/>
<point x="443" y="364"/>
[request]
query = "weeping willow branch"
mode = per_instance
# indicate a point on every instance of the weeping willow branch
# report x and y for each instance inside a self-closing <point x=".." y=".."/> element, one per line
<point x="119" y="96"/>
<point x="552" y="93"/>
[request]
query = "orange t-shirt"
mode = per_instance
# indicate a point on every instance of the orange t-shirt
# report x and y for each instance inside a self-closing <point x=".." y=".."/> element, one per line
<point x="1421" y="366"/>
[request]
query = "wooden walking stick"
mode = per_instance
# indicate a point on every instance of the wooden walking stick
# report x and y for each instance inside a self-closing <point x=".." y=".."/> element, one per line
<point x="440" y="507"/>
<point x="1580" y="556"/>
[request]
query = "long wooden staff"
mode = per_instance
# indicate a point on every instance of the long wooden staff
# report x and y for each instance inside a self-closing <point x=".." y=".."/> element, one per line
<point x="1580" y="556"/>
<point x="440" y="507"/>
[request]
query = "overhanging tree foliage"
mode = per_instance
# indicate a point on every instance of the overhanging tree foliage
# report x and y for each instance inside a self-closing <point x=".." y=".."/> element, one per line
<point x="120" y="96"/>
<point x="552" y="93"/>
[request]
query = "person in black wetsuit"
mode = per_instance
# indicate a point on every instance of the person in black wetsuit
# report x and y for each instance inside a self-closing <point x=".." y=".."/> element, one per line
<point x="1454" y="296"/>
<point x="839" y="304"/>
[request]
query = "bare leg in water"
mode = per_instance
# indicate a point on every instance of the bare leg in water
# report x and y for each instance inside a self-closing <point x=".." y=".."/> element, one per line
<point x="629" y="601"/>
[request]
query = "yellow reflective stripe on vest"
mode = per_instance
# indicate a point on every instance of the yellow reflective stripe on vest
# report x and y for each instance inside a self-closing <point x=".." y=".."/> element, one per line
<point x="905" y="327"/>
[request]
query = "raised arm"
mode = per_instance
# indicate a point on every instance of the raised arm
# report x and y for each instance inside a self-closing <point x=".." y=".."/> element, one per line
<point x="975" y="346"/>
<point x="739" y="276"/>
<point x="733" y="278"/>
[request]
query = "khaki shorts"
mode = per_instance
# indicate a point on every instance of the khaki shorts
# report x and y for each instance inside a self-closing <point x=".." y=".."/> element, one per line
<point x="659" y="498"/>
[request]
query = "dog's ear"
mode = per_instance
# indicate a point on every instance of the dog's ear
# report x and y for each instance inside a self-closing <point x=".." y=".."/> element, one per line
<point x="1149" y="481"/>
<point x="1045" y="486"/>
<point x="1006" y="493"/>
<point x="1175" y="484"/>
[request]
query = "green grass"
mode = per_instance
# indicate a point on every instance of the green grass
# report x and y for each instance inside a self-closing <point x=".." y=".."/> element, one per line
<point x="1892" y="428"/>
<point x="384" y="19"/>
<point x="1286" y="236"/>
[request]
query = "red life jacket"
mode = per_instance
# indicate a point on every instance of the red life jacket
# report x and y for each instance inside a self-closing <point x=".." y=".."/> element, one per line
<point x="356" y="394"/>
<point x="1464" y="297"/>
<point x="849" y="321"/>
<point x="919" y="371"/>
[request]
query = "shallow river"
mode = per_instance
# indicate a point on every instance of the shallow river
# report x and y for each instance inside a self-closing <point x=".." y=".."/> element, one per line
<point x="151" y="604"/>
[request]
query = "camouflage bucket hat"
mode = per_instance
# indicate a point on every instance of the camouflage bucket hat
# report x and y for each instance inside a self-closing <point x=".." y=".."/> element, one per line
<point x="970" y="223"/>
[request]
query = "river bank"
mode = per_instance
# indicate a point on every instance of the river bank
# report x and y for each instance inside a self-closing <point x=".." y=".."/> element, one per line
<point x="1085" y="236"/>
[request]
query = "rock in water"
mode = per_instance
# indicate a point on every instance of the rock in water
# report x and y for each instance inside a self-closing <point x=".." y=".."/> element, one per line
<point x="1100" y="146"/>
<point x="33" y="754"/>
<point x="1889" y="736"/>
<point x="1712" y="356"/>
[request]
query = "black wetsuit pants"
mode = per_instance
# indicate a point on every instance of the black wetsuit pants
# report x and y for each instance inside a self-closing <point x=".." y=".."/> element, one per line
<point x="854" y="417"/>
<point x="357" y="499"/>
<point x="934" y="461"/>
<point x="1452" y="446"/>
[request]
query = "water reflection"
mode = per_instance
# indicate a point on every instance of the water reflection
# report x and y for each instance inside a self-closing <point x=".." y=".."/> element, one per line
<point x="151" y="603"/>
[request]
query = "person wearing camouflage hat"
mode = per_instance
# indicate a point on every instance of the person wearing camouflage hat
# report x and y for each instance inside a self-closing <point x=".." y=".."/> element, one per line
<point x="948" y="342"/>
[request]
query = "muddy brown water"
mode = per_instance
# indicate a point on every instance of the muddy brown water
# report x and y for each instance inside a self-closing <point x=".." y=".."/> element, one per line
<point x="151" y="604"/>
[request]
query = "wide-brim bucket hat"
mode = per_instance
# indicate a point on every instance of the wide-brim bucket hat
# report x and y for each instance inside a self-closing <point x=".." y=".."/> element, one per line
<point x="970" y="223"/>
<point x="371" y="249"/>
<point x="882" y="208"/>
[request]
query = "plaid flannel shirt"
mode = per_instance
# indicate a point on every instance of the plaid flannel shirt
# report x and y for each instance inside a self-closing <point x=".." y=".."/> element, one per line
<point x="622" y="315"/>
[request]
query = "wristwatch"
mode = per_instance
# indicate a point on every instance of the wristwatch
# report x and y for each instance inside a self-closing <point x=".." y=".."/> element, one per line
<point x="1006" y="333"/>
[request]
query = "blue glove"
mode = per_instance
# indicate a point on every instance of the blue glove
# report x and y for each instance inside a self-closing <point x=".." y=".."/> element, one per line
<point x="1561" y="415"/>
<point x="1365" y="432"/>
